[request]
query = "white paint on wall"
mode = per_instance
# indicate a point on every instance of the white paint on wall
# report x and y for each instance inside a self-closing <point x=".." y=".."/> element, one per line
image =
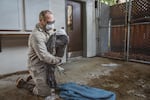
<point x="13" y="57"/>
<point x="58" y="9"/>
<point x="32" y="10"/>
<point x="91" y="33"/>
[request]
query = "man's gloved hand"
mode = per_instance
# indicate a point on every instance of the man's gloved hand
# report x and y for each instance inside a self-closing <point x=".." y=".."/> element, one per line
<point x="58" y="60"/>
<point x="60" y="69"/>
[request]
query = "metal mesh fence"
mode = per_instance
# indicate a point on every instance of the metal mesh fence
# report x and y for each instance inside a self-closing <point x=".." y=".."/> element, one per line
<point x="130" y="31"/>
<point x="140" y="11"/>
<point x="118" y="17"/>
<point x="140" y="31"/>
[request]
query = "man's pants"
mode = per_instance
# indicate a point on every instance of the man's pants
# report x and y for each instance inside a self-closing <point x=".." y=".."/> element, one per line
<point x="41" y="87"/>
<point x="50" y="74"/>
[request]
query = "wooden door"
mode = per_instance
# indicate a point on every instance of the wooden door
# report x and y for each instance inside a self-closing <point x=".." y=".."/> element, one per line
<point x="74" y="28"/>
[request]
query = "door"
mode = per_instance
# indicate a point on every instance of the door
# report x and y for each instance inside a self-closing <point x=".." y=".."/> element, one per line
<point x="74" y="29"/>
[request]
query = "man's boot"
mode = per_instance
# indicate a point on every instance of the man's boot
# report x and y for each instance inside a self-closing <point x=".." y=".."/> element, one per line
<point x="28" y="78"/>
<point x="53" y="96"/>
<point x="23" y="84"/>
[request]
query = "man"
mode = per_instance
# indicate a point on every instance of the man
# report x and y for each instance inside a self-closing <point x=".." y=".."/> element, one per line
<point x="39" y="58"/>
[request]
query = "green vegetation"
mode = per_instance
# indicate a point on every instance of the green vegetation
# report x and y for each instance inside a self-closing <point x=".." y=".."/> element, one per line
<point x="109" y="2"/>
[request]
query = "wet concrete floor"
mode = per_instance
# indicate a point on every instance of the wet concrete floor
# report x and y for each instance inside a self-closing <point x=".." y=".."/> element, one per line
<point x="129" y="80"/>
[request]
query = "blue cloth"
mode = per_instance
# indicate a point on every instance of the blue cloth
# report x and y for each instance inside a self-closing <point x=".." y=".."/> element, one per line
<point x="73" y="91"/>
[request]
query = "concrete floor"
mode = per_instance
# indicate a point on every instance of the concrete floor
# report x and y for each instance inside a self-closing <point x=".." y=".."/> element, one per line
<point x="84" y="71"/>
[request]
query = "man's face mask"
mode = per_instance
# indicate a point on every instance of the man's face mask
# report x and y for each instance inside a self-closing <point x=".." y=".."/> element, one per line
<point x="49" y="25"/>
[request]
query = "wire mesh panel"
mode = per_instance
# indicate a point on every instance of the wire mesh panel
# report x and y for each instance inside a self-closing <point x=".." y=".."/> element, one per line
<point x="140" y="31"/>
<point x="118" y="32"/>
<point x="128" y="31"/>
<point x="140" y="11"/>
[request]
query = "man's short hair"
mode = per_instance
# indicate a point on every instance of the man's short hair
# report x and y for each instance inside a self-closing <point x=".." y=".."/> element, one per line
<point x="43" y="13"/>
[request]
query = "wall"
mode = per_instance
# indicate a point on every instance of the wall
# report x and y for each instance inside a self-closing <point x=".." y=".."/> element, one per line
<point x="14" y="54"/>
<point x="91" y="33"/>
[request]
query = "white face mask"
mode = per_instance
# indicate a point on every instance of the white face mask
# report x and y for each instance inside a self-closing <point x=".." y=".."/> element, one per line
<point x="49" y="26"/>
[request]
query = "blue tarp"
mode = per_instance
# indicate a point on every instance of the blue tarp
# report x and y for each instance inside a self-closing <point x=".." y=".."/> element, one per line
<point x="73" y="91"/>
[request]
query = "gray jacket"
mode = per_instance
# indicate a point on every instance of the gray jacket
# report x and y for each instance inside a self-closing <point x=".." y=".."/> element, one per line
<point x="38" y="56"/>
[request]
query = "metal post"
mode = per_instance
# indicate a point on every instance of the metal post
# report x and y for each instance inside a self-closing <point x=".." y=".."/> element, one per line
<point x="23" y="16"/>
<point x="129" y="20"/>
<point x="0" y="44"/>
<point x="109" y="35"/>
<point x="97" y="24"/>
<point x="125" y="26"/>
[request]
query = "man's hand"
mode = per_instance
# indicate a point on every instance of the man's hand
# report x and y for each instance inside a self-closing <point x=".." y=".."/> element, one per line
<point x="60" y="69"/>
<point x="58" y="60"/>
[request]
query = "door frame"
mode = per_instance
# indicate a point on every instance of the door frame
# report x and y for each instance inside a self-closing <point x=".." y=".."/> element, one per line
<point x="89" y="32"/>
<point x="77" y="53"/>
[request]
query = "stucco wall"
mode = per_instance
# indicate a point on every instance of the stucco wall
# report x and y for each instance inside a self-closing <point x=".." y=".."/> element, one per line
<point x="91" y="33"/>
<point x="14" y="54"/>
